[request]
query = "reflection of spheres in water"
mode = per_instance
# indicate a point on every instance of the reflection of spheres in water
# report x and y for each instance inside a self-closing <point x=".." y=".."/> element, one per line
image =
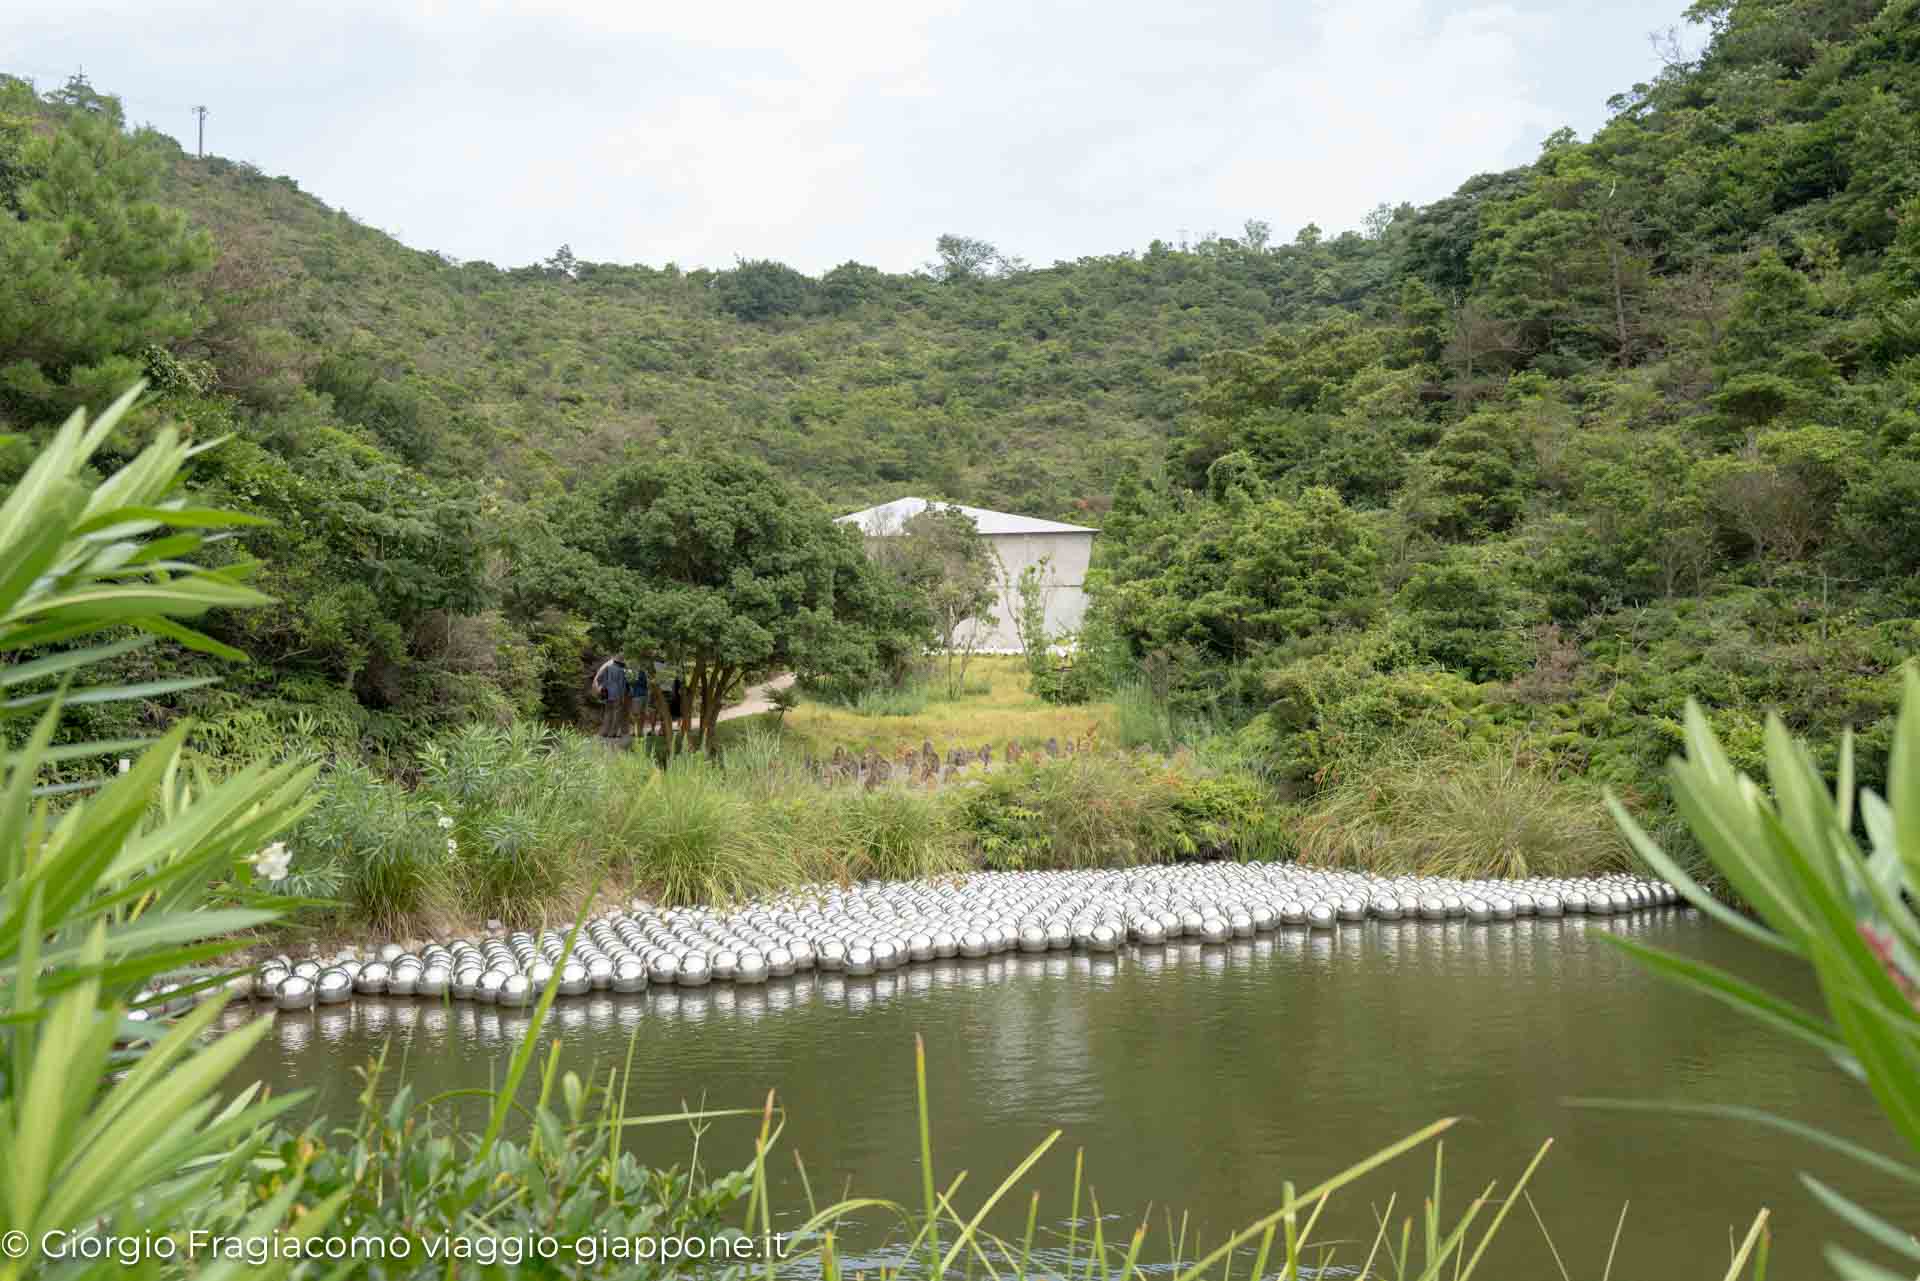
<point x="294" y="1030"/>
<point x="375" y="1017"/>
<point x="334" y="1025"/>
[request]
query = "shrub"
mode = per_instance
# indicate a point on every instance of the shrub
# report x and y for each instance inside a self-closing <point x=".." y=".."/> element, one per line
<point x="692" y="839"/>
<point x="1089" y="810"/>
<point x="1467" y="816"/>
<point x="893" y="834"/>
<point x="523" y="804"/>
<point x="373" y="845"/>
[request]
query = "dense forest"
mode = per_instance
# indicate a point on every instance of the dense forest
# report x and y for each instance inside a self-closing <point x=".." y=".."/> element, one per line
<point x="1500" y="481"/>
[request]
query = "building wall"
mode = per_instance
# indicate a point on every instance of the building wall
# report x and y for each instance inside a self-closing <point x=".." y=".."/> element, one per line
<point x="1064" y="586"/>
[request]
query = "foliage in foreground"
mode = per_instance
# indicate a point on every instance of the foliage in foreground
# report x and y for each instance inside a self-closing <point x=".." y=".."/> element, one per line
<point x="110" y="889"/>
<point x="1790" y="850"/>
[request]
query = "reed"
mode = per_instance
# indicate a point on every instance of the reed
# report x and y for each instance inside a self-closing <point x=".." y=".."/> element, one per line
<point x="1482" y="816"/>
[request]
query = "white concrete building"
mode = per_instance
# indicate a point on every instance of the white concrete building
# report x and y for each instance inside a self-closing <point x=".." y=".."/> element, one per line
<point x="1018" y="541"/>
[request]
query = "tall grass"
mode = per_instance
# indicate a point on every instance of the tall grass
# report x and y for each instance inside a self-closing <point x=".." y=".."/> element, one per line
<point x="693" y="839"/>
<point x="1486" y="815"/>
<point x="1143" y="720"/>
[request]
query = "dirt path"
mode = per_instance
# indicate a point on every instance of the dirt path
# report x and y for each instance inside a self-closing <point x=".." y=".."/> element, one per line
<point x="755" y="701"/>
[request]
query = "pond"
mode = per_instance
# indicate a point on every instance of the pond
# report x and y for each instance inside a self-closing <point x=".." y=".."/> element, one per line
<point x="1198" y="1078"/>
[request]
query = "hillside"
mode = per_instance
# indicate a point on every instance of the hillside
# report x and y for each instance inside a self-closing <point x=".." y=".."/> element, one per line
<point x="1514" y="474"/>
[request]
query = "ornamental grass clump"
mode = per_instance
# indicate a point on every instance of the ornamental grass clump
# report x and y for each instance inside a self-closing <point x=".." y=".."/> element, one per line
<point x="1487" y="815"/>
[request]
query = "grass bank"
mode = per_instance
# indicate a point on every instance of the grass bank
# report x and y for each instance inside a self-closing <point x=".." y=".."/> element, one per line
<point x="517" y="824"/>
<point x="997" y="707"/>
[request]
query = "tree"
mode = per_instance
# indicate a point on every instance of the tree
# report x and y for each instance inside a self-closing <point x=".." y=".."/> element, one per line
<point x="736" y="573"/>
<point x="963" y="258"/>
<point x="1248" y="574"/>
<point x="760" y="289"/>
<point x="940" y="559"/>
<point x="91" y="269"/>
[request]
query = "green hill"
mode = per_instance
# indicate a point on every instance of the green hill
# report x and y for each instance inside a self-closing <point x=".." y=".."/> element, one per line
<point x="1521" y="469"/>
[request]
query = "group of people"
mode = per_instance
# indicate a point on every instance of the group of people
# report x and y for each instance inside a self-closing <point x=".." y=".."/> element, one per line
<point x="617" y="685"/>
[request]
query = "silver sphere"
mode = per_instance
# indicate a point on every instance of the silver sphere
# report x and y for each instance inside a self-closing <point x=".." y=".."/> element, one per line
<point x="629" y="975"/>
<point x="752" y="969"/>
<point x="295" y="992"/>
<point x="371" y="980"/>
<point x="696" y="970"/>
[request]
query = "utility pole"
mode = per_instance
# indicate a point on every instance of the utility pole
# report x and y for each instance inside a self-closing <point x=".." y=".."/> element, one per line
<point x="201" y="149"/>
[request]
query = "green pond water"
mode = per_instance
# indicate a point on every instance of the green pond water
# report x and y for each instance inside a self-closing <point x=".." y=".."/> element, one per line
<point x="1199" y="1078"/>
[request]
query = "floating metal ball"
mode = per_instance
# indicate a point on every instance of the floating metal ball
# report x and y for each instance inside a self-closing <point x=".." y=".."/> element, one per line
<point x="1574" y="901"/>
<point x="831" y="955"/>
<point x="973" y="943"/>
<point x="1033" y="939"/>
<point x="1152" y="933"/>
<point x="295" y="992"/>
<point x="725" y="962"/>
<point x="1215" y="930"/>
<point x="1503" y="909"/>
<point x="1432" y="909"/>
<point x="1321" y="916"/>
<point x="920" y="947"/>
<point x="391" y="952"/>
<point x="629" y="975"/>
<point x="886" y="956"/>
<point x="266" y="984"/>
<point x="308" y="969"/>
<point x="779" y="962"/>
<point x="433" y="981"/>
<point x="753" y="968"/>
<point x="696" y="970"/>
<point x="945" y="945"/>
<point x="574" y="979"/>
<point x="1104" y="938"/>
<point x="517" y="990"/>
<point x="1352" y="910"/>
<point x="487" y="991"/>
<point x="371" y="980"/>
<point x="1241" y="923"/>
<point x="859" y="960"/>
<point x="332" y="987"/>
<point x="1386" y="907"/>
<point x="1264" y="918"/>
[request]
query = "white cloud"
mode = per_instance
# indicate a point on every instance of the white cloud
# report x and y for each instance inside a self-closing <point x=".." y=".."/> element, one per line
<point x="858" y="129"/>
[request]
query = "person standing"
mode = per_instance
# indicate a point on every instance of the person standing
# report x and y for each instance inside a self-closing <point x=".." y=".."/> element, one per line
<point x="638" y="691"/>
<point x="611" y="681"/>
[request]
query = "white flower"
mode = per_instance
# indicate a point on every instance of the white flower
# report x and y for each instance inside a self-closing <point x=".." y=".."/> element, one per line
<point x="446" y="823"/>
<point x="453" y="846"/>
<point x="271" y="863"/>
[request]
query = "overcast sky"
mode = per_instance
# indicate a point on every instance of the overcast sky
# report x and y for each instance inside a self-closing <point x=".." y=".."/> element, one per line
<point x="814" y="133"/>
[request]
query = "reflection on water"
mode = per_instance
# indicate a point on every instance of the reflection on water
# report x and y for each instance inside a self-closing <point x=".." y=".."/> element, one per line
<point x="1202" y="1076"/>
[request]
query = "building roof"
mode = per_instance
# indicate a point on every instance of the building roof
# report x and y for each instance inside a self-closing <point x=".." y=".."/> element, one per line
<point x="887" y="518"/>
